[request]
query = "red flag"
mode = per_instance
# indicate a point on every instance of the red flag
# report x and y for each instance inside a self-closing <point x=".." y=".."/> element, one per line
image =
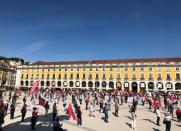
<point x="41" y="102"/>
<point x="34" y="88"/>
<point x="71" y="113"/>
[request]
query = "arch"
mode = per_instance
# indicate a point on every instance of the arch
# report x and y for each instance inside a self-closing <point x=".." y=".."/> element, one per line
<point x="26" y="83"/>
<point x="71" y="83"/>
<point x="169" y="85"/>
<point x="22" y="83"/>
<point x="59" y="83"/>
<point x="150" y="86"/>
<point x="134" y="86"/>
<point x="126" y="86"/>
<point x="90" y="84"/>
<point x="53" y="83"/>
<point x="65" y="83"/>
<point x="42" y="83"/>
<point x="77" y="84"/>
<point x="159" y="85"/>
<point x="47" y="83"/>
<point x="118" y="85"/>
<point x="31" y="83"/>
<point x="83" y="83"/>
<point x="104" y="84"/>
<point x="111" y="84"/>
<point x="142" y="87"/>
<point x="178" y="86"/>
<point x="97" y="84"/>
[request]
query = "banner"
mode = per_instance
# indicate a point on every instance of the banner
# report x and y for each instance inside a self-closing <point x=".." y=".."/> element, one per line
<point x="34" y="88"/>
<point x="71" y="113"/>
<point x="41" y="102"/>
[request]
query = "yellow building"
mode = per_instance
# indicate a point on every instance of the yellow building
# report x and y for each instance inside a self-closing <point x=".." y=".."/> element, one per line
<point x="131" y="75"/>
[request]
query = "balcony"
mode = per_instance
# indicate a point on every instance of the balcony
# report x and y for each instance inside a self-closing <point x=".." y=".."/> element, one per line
<point x="142" y="79"/>
<point x="126" y="78"/>
<point x="96" y="78"/>
<point x="90" y="78"/>
<point x="103" y="78"/>
<point x="118" y="78"/>
<point x="133" y="79"/>
<point x="168" y="79"/>
<point x="150" y="79"/>
<point x="178" y="79"/>
<point x="111" y="78"/>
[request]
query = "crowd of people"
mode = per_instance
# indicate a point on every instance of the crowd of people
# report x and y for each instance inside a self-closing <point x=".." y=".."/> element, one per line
<point x="104" y="100"/>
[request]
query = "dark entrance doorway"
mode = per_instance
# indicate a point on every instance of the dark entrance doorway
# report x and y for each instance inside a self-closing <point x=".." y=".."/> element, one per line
<point x="134" y="87"/>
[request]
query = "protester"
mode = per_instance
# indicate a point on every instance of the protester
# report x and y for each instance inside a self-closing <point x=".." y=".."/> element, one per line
<point x="116" y="107"/>
<point x="34" y="118"/>
<point x="158" y="116"/>
<point x="56" y="125"/>
<point x="23" y="112"/>
<point x="46" y="108"/>
<point x="12" y="110"/>
<point x="79" y="116"/>
<point x="133" y="120"/>
<point x="105" y="111"/>
<point x="167" y="122"/>
<point x="54" y="111"/>
<point x="178" y="113"/>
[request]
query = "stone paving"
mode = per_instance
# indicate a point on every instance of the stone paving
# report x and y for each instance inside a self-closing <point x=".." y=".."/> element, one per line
<point x="146" y="120"/>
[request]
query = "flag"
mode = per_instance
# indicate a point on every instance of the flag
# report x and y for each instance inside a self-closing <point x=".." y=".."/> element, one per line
<point x="34" y="88"/>
<point x="71" y="113"/>
<point x="41" y="102"/>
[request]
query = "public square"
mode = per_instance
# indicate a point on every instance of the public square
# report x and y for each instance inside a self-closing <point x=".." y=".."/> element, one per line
<point x="146" y="120"/>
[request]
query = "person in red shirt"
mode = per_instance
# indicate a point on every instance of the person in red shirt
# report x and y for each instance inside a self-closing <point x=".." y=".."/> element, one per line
<point x="178" y="113"/>
<point x="34" y="118"/>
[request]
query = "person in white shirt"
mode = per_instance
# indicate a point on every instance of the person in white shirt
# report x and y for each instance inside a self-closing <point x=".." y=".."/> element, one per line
<point x="158" y="116"/>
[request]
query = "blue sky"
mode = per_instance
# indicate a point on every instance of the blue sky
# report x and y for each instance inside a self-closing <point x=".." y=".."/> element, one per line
<point x="63" y="30"/>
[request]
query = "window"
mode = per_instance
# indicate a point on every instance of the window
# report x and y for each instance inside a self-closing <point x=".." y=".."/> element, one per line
<point x="150" y="68"/>
<point x="134" y="69"/>
<point x="42" y="76"/>
<point x="177" y="76"/>
<point x="83" y="69"/>
<point x="118" y="69"/>
<point x="71" y="69"/>
<point x="96" y="69"/>
<point x="59" y="69"/>
<point x="150" y="76"/>
<point x="90" y="69"/>
<point x="31" y="76"/>
<point x="111" y="69"/>
<point x="37" y="75"/>
<point x="177" y="68"/>
<point x="65" y="76"/>
<point x="168" y="76"/>
<point x="53" y="76"/>
<point x="22" y="76"/>
<point x="142" y="69"/>
<point x="71" y="76"/>
<point x="159" y="76"/>
<point x="103" y="69"/>
<point x="104" y="76"/>
<point x="77" y="69"/>
<point x="84" y="76"/>
<point x="97" y="76"/>
<point x="48" y="69"/>
<point x="168" y="69"/>
<point x="126" y="76"/>
<point x="118" y="75"/>
<point x="126" y="69"/>
<point x="48" y="76"/>
<point x="90" y="76"/>
<point x="159" y="69"/>
<point x="65" y="69"/>
<point x="26" y="76"/>
<point x="77" y="76"/>
<point x="142" y="76"/>
<point x="59" y="76"/>
<point x="134" y="76"/>
<point x="43" y="70"/>
<point x="111" y="77"/>
<point x="53" y="69"/>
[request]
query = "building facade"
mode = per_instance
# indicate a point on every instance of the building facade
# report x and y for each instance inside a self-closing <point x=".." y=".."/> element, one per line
<point x="138" y="75"/>
<point x="7" y="75"/>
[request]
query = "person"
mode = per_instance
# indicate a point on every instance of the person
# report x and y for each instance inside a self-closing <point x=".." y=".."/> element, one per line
<point x="34" y="118"/>
<point x="105" y="111"/>
<point x="87" y="103"/>
<point x="92" y="110"/>
<point x="23" y="112"/>
<point x="158" y="116"/>
<point x="54" y="111"/>
<point x="56" y="125"/>
<point x="167" y="122"/>
<point x="116" y="108"/>
<point x="101" y="105"/>
<point x="24" y="99"/>
<point x="143" y="100"/>
<point x="133" y="120"/>
<point x="178" y="113"/>
<point x="12" y="110"/>
<point x="1" y="119"/>
<point x="46" y="108"/>
<point x="171" y="109"/>
<point x="150" y="103"/>
<point x="79" y="116"/>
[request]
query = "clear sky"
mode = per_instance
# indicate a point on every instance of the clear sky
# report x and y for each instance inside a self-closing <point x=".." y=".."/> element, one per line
<point x="63" y="30"/>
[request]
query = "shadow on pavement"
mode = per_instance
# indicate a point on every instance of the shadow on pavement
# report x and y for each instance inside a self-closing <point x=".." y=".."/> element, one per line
<point x="150" y="121"/>
<point x="156" y="129"/>
<point x="43" y="124"/>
